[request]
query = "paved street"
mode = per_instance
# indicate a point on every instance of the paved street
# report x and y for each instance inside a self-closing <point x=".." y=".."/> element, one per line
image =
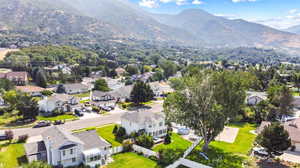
<point x="113" y="117"/>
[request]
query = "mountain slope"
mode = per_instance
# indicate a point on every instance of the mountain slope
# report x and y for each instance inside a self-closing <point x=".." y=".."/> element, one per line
<point x="220" y="31"/>
<point x="294" y="29"/>
<point x="133" y="21"/>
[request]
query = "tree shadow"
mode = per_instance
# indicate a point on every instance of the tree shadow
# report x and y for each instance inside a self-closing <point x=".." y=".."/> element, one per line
<point x="140" y="107"/>
<point x="218" y="158"/>
<point x="274" y="164"/>
<point x="22" y="160"/>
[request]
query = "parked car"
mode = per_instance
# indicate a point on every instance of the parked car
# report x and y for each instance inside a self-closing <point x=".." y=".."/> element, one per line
<point x="260" y="152"/>
<point x="157" y="140"/>
<point x="42" y="124"/>
<point x="3" y="135"/>
<point x="58" y="122"/>
<point x="79" y="113"/>
<point x="183" y="131"/>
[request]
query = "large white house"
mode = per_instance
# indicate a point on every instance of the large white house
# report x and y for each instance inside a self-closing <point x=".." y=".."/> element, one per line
<point x="151" y="123"/>
<point x="58" y="147"/>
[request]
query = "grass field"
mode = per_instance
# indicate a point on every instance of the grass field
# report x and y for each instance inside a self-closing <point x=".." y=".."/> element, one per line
<point x="226" y="155"/>
<point x="11" y="155"/>
<point x="130" y="160"/>
<point x="106" y="133"/>
<point x="177" y="143"/>
<point x="59" y="117"/>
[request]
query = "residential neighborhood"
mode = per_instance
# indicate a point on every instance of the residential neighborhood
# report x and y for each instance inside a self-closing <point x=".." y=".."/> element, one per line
<point x="149" y="84"/>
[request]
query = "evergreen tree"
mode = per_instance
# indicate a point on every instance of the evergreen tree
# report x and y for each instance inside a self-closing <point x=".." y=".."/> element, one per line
<point x="274" y="138"/>
<point x="101" y="85"/>
<point x="141" y="93"/>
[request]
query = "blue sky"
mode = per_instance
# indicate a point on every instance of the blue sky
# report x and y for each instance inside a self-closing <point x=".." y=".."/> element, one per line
<point x="276" y="13"/>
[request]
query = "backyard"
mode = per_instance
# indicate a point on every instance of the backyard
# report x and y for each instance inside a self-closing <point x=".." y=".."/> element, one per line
<point x="11" y="155"/>
<point x="177" y="143"/>
<point x="129" y="160"/>
<point x="227" y="155"/>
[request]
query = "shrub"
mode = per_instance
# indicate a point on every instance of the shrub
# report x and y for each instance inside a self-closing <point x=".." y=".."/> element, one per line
<point x="127" y="145"/>
<point x="168" y="156"/>
<point x="9" y="135"/>
<point x="121" y="134"/>
<point x="115" y="130"/>
<point x="167" y="139"/>
<point x="22" y="138"/>
<point x="47" y="92"/>
<point x="145" y="141"/>
<point x="95" y="109"/>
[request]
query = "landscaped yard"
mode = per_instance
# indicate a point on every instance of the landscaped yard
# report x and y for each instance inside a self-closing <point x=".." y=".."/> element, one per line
<point x="177" y="143"/>
<point x="226" y="155"/>
<point x="59" y="117"/>
<point x="106" y="133"/>
<point x="130" y="160"/>
<point x="11" y="155"/>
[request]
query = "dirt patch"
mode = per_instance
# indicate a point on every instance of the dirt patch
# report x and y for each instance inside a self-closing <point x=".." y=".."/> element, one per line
<point x="228" y="135"/>
<point x="3" y="52"/>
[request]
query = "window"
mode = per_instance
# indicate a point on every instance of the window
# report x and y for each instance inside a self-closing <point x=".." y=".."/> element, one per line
<point x="160" y="124"/>
<point x="150" y="126"/>
<point x="73" y="160"/>
<point x="64" y="153"/>
<point x="71" y="151"/>
<point x="59" y="162"/>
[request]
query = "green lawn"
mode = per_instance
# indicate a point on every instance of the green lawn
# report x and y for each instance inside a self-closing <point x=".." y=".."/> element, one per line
<point x="177" y="143"/>
<point x="106" y="133"/>
<point x="59" y="117"/>
<point x="226" y="155"/>
<point x="243" y="142"/>
<point x="11" y="155"/>
<point x="81" y="95"/>
<point x="130" y="160"/>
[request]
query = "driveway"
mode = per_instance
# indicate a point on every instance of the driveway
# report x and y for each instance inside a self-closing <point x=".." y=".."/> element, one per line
<point x="291" y="156"/>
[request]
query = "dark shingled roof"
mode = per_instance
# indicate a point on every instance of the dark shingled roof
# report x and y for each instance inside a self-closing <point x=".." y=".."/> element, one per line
<point x="36" y="151"/>
<point x="58" y="137"/>
<point x="91" y="140"/>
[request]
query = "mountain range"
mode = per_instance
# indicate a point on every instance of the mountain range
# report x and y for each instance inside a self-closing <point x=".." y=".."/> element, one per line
<point x="92" y="20"/>
<point x="294" y="29"/>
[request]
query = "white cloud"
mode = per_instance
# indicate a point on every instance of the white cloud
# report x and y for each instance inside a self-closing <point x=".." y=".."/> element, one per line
<point x="197" y="2"/>
<point x="178" y="2"/>
<point x="236" y="1"/>
<point x="293" y="11"/>
<point x="149" y="3"/>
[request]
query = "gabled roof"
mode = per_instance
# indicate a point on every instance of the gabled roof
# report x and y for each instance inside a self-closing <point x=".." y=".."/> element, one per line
<point x="142" y="117"/>
<point x="75" y="86"/>
<point x="91" y="140"/>
<point x="57" y="136"/>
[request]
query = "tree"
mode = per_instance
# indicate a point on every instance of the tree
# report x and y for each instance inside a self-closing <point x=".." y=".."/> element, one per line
<point x="274" y="138"/>
<point x="9" y="135"/>
<point x="60" y="89"/>
<point x="28" y="107"/>
<point x="168" y="67"/>
<point x="120" y="134"/>
<point x="132" y="69"/>
<point x="230" y="92"/>
<point x="145" y="141"/>
<point x="281" y="98"/>
<point x="37" y="164"/>
<point x="296" y="79"/>
<point x="6" y="84"/>
<point x="167" y="139"/>
<point x="101" y="85"/>
<point x="261" y="111"/>
<point x="115" y="130"/>
<point x="41" y="78"/>
<point x="196" y="107"/>
<point x="141" y="93"/>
